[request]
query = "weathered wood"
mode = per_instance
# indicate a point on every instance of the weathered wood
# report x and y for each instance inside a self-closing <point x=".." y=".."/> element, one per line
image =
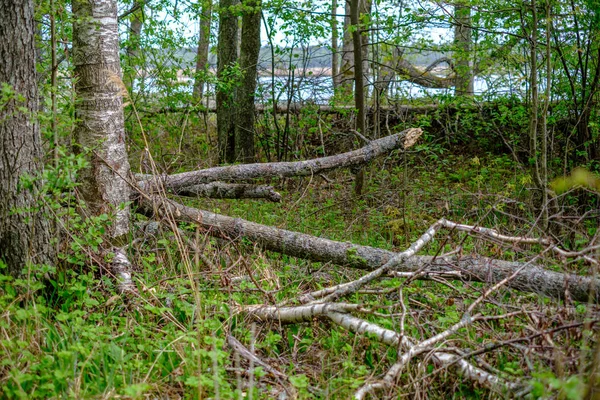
<point x="316" y="166"/>
<point x="531" y="278"/>
<point x="222" y="190"/>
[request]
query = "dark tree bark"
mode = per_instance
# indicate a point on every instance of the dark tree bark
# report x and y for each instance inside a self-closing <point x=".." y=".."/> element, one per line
<point x="202" y="54"/>
<point x="249" y="52"/>
<point x="99" y="109"/>
<point x="24" y="230"/>
<point x="227" y="56"/>
<point x="347" y="73"/>
<point x="359" y="87"/>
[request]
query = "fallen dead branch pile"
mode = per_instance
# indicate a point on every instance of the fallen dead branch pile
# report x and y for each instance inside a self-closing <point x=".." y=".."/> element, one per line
<point x="441" y="348"/>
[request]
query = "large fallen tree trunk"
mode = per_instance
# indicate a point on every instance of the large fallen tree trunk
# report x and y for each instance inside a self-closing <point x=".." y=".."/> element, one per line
<point x="222" y="190"/>
<point x="243" y="172"/>
<point x="530" y="278"/>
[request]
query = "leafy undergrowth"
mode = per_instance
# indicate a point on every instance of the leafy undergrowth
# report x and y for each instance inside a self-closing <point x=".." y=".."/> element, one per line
<point x="65" y="333"/>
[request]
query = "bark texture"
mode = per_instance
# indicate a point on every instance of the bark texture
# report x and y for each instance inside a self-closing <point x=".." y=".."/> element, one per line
<point x="99" y="109"/>
<point x="202" y="54"/>
<point x="249" y="52"/>
<point x="242" y="172"/>
<point x="221" y="190"/>
<point x="529" y="278"/>
<point x="24" y="235"/>
<point x="227" y="56"/>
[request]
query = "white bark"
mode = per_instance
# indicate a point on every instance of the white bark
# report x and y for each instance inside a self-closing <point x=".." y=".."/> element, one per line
<point x="99" y="109"/>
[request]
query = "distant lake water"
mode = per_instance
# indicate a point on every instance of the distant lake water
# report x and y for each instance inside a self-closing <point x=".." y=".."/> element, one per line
<point x="319" y="89"/>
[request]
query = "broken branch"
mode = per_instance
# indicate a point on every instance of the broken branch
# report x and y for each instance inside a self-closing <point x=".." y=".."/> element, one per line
<point x="532" y="279"/>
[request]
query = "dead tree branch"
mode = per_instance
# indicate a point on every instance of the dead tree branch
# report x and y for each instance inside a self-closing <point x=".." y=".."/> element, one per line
<point x="532" y="279"/>
<point x="222" y="190"/>
<point x="375" y="148"/>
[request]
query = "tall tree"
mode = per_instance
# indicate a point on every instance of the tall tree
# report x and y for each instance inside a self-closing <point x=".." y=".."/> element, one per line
<point x="249" y="52"/>
<point x="24" y="231"/>
<point x="335" y="57"/>
<point x="134" y="36"/>
<point x="202" y="54"/>
<point x="347" y="73"/>
<point x="359" y="92"/>
<point x="464" y="83"/>
<point x="99" y="109"/>
<point x="226" y="59"/>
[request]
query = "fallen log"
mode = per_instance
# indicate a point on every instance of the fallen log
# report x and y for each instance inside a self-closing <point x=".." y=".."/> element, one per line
<point x="222" y="190"/>
<point x="316" y="166"/>
<point x="531" y="278"/>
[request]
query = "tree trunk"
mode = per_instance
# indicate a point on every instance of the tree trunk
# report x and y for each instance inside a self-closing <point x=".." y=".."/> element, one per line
<point x="464" y="85"/>
<point x="335" y="57"/>
<point x="359" y="87"/>
<point x="202" y="54"/>
<point x="249" y="52"/>
<point x="24" y="235"/>
<point x="313" y="167"/>
<point x="227" y="56"/>
<point x="133" y="43"/>
<point x="99" y="110"/>
<point x="529" y="278"/>
<point x="346" y="73"/>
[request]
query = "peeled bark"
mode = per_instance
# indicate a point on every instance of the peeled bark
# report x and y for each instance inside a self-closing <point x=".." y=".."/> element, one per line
<point x="242" y="172"/>
<point x="202" y="54"/>
<point x="530" y="278"/>
<point x="24" y="231"/>
<point x="99" y="110"/>
<point x="227" y="56"/>
<point x="249" y="52"/>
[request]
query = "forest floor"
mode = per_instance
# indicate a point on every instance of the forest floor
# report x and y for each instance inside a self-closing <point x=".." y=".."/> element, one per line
<point x="74" y="337"/>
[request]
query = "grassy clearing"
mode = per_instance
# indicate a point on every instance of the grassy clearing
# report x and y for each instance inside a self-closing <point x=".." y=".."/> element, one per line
<point x="65" y="333"/>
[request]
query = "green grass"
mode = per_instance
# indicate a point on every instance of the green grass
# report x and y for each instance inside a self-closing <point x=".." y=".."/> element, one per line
<point x="67" y="334"/>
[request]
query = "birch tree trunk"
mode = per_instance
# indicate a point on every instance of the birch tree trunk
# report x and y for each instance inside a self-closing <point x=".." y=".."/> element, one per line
<point x="24" y="235"/>
<point x="99" y="110"/>
<point x="227" y="56"/>
<point x="202" y="55"/>
<point x="249" y="52"/>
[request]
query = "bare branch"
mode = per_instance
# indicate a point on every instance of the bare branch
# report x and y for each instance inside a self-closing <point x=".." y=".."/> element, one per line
<point x="531" y="279"/>
<point x="375" y="148"/>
